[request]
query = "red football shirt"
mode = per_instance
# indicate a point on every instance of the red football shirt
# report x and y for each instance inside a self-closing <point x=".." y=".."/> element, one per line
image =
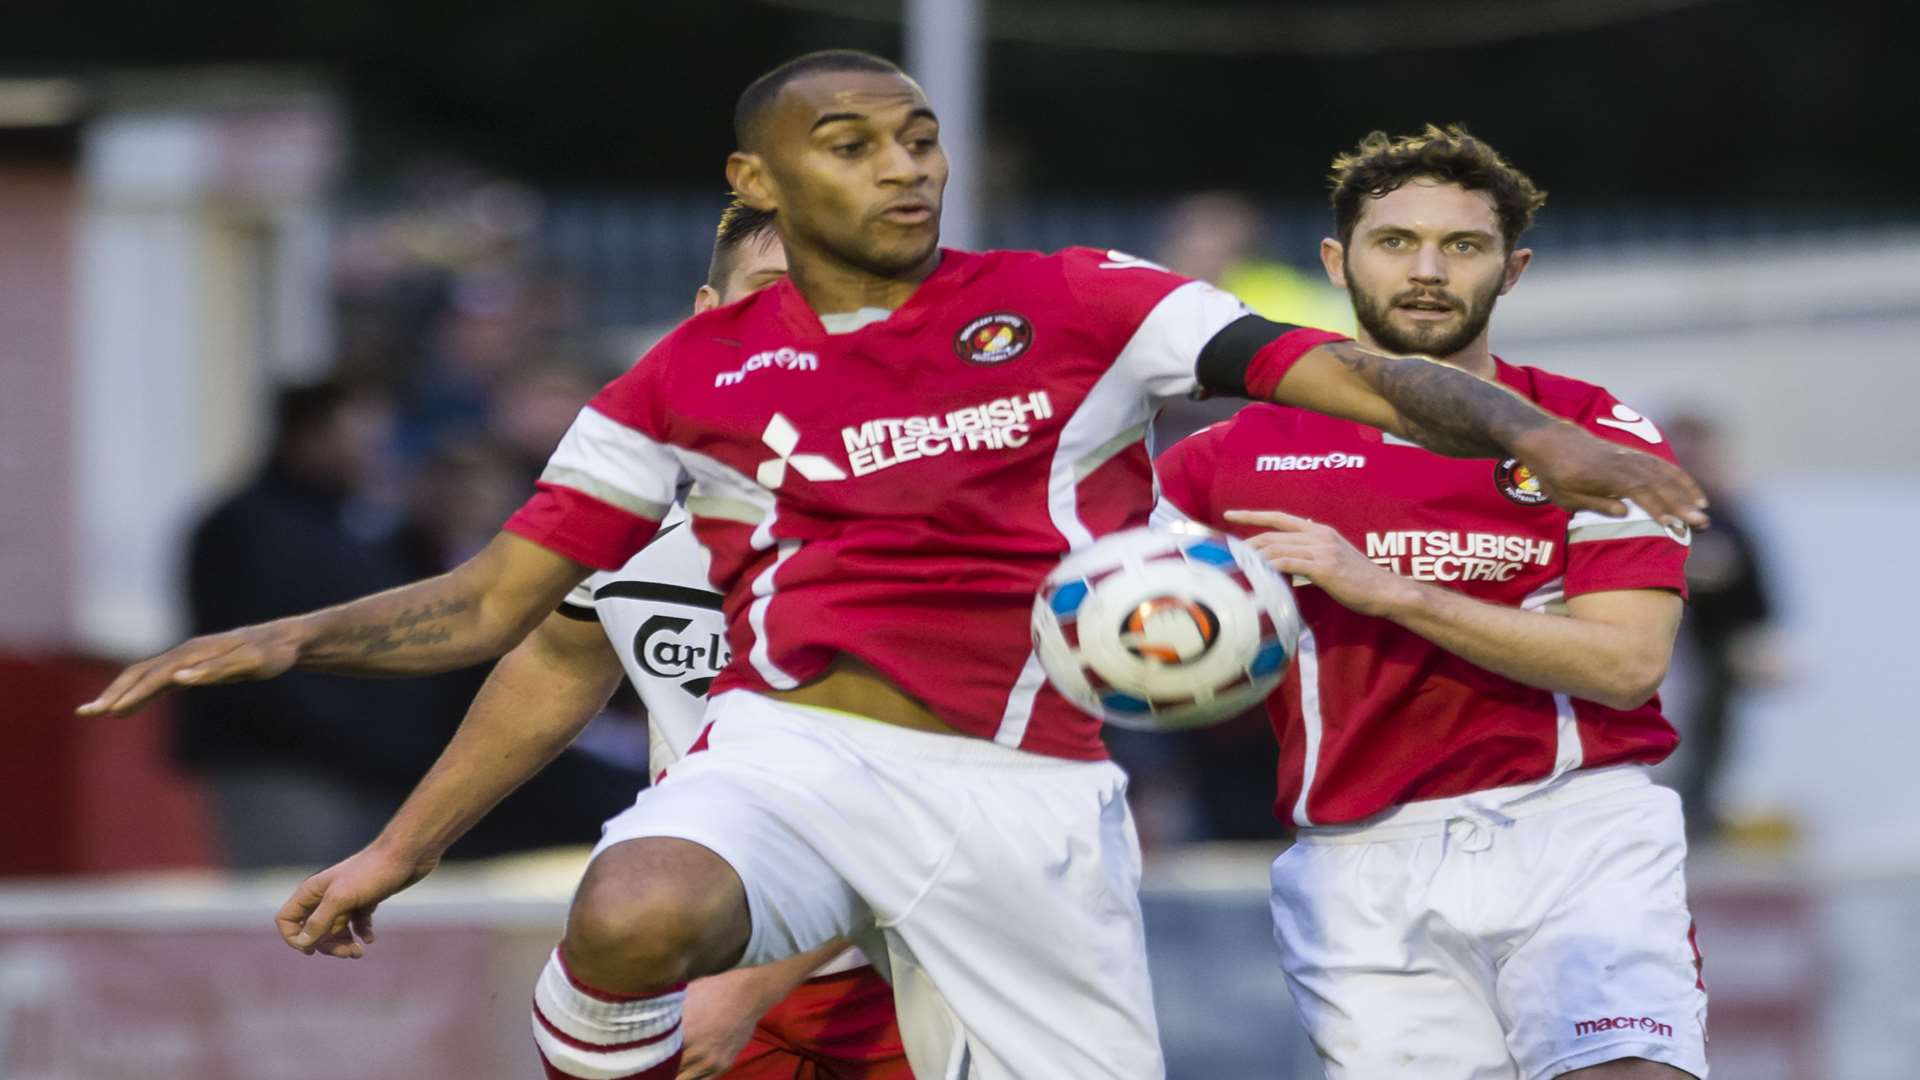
<point x="1371" y="714"/>
<point x="897" y="492"/>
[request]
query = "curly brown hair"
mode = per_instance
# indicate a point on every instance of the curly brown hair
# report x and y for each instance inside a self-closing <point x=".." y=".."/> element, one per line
<point x="1382" y="163"/>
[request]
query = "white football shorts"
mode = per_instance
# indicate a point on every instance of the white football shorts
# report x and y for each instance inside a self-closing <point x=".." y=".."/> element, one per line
<point x="1482" y="939"/>
<point x="998" y="889"/>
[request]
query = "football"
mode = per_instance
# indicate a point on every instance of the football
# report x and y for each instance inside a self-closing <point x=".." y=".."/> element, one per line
<point x="1165" y="629"/>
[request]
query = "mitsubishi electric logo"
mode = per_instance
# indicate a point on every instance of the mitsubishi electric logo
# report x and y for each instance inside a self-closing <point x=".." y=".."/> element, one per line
<point x="782" y="438"/>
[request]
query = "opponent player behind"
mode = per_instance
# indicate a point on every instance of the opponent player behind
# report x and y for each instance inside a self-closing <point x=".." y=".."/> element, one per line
<point x="657" y="617"/>
<point x="1485" y="882"/>
<point x="889" y="449"/>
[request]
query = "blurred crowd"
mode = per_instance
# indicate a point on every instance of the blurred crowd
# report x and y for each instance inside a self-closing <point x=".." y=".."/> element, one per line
<point x="460" y="365"/>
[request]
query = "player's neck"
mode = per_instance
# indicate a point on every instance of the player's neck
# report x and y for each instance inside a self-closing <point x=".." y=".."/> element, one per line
<point x="1475" y="359"/>
<point x="832" y="287"/>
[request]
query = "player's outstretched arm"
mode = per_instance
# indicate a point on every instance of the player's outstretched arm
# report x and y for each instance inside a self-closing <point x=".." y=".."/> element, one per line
<point x="1613" y="648"/>
<point x="534" y="703"/>
<point x="1452" y="412"/>
<point x="474" y="612"/>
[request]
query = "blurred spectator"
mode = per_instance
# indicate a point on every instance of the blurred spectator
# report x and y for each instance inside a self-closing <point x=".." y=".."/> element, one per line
<point x="305" y="768"/>
<point x="458" y="498"/>
<point x="1727" y="642"/>
<point x="1221" y="237"/>
<point x="533" y="408"/>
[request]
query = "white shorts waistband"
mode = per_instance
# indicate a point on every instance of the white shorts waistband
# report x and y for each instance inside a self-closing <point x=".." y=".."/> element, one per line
<point x="1493" y="805"/>
<point x="892" y="738"/>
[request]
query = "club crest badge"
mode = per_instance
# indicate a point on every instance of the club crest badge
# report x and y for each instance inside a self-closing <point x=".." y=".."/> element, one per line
<point x="1518" y="483"/>
<point x="993" y="339"/>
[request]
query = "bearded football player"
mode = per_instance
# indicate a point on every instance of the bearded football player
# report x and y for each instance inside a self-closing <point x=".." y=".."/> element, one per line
<point x="1484" y="882"/>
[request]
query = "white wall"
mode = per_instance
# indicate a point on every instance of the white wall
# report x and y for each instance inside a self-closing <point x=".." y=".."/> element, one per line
<point x="1809" y="357"/>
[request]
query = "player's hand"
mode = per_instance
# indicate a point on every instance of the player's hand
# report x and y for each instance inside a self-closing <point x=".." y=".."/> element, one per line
<point x="1581" y="471"/>
<point x="1296" y="545"/>
<point x="251" y="652"/>
<point x="331" y="913"/>
<point x="720" y="1015"/>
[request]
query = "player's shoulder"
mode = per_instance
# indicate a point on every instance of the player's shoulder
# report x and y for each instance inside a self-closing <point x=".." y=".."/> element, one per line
<point x="1590" y="405"/>
<point x="1101" y="261"/>
<point x="718" y="328"/>
<point x="1562" y="395"/>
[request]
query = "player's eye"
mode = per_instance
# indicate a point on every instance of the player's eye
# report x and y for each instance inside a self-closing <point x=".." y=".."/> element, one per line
<point x="1465" y="247"/>
<point x="1393" y="242"/>
<point x="848" y="149"/>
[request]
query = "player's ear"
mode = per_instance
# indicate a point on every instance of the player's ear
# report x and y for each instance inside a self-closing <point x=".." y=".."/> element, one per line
<point x="1517" y="261"/>
<point x="705" y="298"/>
<point x="747" y="176"/>
<point x="1333" y="256"/>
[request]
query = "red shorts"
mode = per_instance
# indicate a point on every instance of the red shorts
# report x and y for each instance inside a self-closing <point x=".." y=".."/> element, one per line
<point x="836" y="1027"/>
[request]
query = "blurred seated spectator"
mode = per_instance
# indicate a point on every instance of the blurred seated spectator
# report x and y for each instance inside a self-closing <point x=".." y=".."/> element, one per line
<point x="304" y="769"/>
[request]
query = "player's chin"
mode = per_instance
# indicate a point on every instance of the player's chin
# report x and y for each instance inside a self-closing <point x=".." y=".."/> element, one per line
<point x="904" y="249"/>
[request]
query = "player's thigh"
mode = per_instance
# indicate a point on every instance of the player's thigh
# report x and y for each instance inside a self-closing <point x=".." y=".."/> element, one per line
<point x="1383" y="986"/>
<point x="764" y="1058"/>
<point x="1608" y="971"/>
<point x="1029" y="948"/>
<point x="846" y="1023"/>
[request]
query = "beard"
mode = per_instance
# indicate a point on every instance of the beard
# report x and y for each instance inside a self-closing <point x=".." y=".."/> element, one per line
<point x="1375" y="316"/>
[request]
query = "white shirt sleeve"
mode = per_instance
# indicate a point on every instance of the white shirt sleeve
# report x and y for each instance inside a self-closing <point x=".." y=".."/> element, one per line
<point x="1163" y="351"/>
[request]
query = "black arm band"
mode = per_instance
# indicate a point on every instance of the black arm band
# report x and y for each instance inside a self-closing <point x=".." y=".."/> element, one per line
<point x="1223" y="363"/>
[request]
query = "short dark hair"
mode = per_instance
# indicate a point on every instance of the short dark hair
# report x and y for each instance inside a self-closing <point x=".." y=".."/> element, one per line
<point x="739" y="223"/>
<point x="300" y="409"/>
<point x="760" y="92"/>
<point x="1382" y="163"/>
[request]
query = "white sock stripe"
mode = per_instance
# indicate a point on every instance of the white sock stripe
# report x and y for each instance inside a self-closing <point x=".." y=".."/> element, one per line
<point x="581" y="1016"/>
<point x="595" y="1065"/>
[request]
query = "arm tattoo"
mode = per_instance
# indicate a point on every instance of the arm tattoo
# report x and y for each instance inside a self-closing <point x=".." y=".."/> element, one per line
<point x="409" y="628"/>
<point x="1443" y="408"/>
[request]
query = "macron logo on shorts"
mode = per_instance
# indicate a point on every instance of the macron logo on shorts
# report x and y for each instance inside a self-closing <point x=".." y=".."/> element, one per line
<point x="1647" y="1024"/>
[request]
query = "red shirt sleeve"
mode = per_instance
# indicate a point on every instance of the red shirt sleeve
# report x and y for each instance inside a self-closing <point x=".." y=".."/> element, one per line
<point x="612" y="478"/>
<point x="1272" y="363"/>
<point x="1606" y="554"/>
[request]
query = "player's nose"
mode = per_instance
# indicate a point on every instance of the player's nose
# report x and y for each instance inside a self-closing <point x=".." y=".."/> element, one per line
<point x="1428" y="267"/>
<point x="900" y="166"/>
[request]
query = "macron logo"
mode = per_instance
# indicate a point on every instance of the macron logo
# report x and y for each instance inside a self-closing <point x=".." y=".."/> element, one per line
<point x="782" y="438"/>
<point x="1308" y="462"/>
<point x="1584" y="1028"/>
<point x="1625" y="419"/>
<point x="785" y="359"/>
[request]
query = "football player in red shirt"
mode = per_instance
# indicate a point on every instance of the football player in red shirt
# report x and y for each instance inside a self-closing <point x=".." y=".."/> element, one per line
<point x="822" y="1013"/>
<point x="1484" y="883"/>
<point x="888" y="450"/>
